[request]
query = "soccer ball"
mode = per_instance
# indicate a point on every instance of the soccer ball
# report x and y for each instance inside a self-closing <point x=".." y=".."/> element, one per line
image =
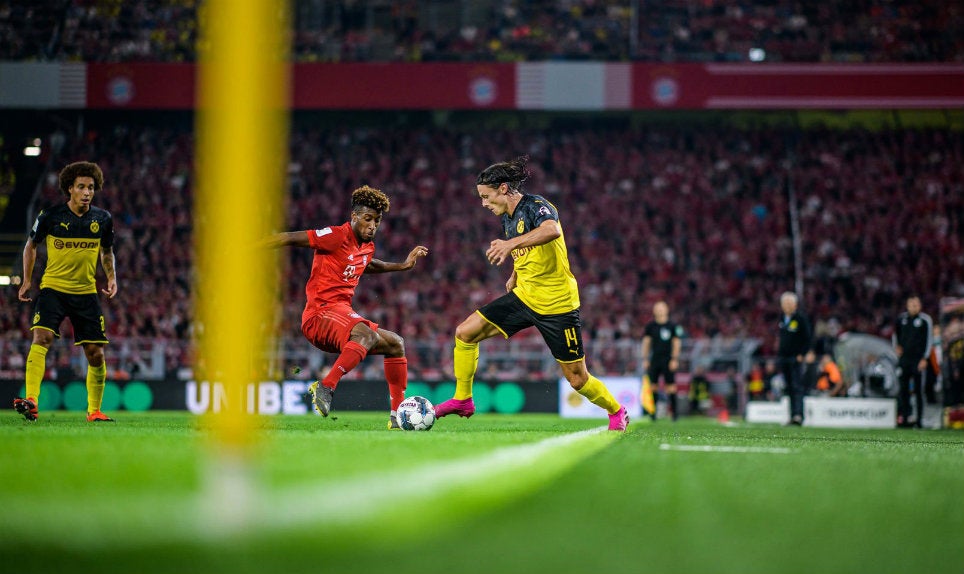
<point x="416" y="413"/>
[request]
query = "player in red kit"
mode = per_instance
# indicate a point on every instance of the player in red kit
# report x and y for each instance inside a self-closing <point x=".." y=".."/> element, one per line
<point x="342" y="254"/>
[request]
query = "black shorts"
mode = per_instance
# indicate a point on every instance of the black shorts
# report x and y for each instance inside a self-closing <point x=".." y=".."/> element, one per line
<point x="661" y="368"/>
<point x="562" y="332"/>
<point x="83" y="311"/>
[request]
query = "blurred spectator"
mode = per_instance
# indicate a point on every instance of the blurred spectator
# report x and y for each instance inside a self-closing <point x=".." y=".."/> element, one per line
<point x="699" y="394"/>
<point x="829" y="381"/>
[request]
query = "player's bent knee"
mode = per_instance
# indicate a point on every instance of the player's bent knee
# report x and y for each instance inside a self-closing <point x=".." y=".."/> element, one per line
<point x="466" y="333"/>
<point x="474" y="329"/>
<point x="95" y="357"/>
<point x="389" y="344"/>
<point x="577" y="379"/>
<point x="395" y="344"/>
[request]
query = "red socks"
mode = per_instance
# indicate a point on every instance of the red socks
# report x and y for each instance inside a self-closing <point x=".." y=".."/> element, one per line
<point x="351" y="354"/>
<point x="396" y="373"/>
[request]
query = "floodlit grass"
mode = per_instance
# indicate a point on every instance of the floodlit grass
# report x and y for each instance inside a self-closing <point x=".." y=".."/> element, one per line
<point x="135" y="497"/>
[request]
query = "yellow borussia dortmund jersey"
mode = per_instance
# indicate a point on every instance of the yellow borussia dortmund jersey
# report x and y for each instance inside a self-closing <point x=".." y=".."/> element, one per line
<point x="543" y="279"/>
<point x="73" y="243"/>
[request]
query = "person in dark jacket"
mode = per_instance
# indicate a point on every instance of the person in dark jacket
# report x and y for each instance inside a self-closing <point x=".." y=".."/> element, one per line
<point x="794" y="346"/>
<point x="913" y="339"/>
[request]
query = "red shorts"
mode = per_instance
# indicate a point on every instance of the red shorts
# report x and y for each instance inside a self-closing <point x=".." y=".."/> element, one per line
<point x="331" y="327"/>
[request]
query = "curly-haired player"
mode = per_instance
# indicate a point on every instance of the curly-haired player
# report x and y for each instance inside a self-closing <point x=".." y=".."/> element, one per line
<point x="75" y="234"/>
<point x="342" y="254"/>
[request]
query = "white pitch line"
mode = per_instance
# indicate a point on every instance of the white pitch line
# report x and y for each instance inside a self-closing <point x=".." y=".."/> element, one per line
<point x="713" y="448"/>
<point x="231" y="503"/>
<point x="357" y="499"/>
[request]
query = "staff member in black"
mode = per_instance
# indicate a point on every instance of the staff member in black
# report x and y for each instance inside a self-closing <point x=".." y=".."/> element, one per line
<point x="795" y="342"/>
<point x="912" y="342"/>
<point x="661" y="348"/>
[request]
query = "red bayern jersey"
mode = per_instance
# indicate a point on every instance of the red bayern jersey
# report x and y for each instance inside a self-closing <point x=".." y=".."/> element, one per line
<point x="337" y="266"/>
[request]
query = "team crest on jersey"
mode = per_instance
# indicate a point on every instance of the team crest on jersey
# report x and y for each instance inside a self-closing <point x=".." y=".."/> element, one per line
<point x="351" y="256"/>
<point x="664" y="334"/>
<point x="917" y="322"/>
<point x="793" y="325"/>
<point x="521" y="226"/>
<point x="94" y="227"/>
<point x="36" y="318"/>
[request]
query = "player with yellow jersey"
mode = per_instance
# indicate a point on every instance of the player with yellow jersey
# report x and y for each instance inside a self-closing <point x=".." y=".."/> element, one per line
<point x="542" y="293"/>
<point x="74" y="233"/>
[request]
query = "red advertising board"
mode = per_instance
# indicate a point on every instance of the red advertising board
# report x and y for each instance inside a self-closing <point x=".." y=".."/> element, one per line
<point x="141" y="86"/>
<point x="797" y="86"/>
<point x="480" y="86"/>
<point x="404" y="86"/>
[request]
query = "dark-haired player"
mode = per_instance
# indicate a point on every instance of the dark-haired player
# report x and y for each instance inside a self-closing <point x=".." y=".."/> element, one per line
<point x="342" y="254"/>
<point x="74" y="233"/>
<point x="542" y="293"/>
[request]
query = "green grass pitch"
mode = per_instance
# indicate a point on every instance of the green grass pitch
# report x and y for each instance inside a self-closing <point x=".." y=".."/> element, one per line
<point x="492" y="494"/>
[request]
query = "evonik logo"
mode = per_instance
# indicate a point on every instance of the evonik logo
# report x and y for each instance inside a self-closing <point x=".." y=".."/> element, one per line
<point x="61" y="244"/>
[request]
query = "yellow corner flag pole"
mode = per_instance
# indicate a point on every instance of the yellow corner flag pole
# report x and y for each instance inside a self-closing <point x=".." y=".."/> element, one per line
<point x="646" y="396"/>
<point x="242" y="131"/>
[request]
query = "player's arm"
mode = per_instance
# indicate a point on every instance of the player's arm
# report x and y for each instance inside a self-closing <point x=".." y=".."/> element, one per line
<point x="677" y="345"/>
<point x="29" y="258"/>
<point x="511" y="282"/>
<point x="500" y="249"/>
<point x="107" y="262"/>
<point x="379" y="266"/>
<point x="295" y="238"/>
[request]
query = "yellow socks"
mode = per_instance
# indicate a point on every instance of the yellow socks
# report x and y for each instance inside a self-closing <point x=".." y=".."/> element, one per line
<point x="96" y="376"/>
<point x="36" y="365"/>
<point x="465" y="362"/>
<point x="599" y="395"/>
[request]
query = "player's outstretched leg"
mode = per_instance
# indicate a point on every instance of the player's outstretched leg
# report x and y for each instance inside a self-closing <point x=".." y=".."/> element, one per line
<point x="597" y="393"/>
<point x="321" y="396"/>
<point x="26" y="407"/>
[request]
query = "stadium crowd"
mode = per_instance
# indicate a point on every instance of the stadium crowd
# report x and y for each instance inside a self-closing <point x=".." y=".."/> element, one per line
<point x="506" y="30"/>
<point x="697" y="217"/>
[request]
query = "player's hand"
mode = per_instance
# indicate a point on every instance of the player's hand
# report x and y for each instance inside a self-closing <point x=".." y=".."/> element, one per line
<point x="111" y="289"/>
<point x="25" y="290"/>
<point x="414" y="254"/>
<point x="498" y="251"/>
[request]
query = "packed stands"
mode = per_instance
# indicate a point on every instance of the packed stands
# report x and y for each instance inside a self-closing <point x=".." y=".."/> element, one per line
<point x="491" y="30"/>
<point x="696" y="216"/>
